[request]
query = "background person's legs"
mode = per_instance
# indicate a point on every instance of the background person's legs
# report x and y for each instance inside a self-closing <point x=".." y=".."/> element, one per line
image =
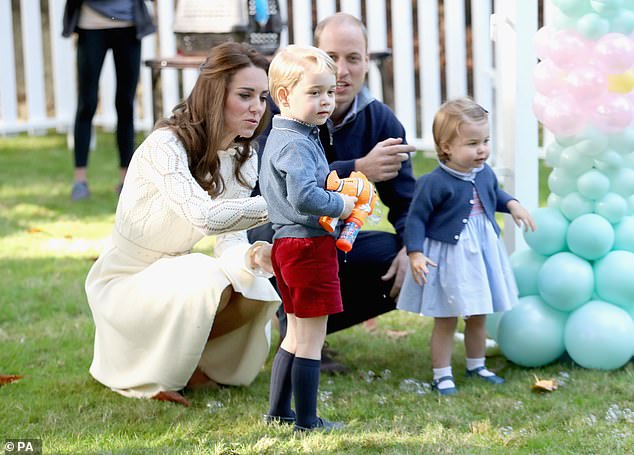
<point x="126" y="50"/>
<point x="91" y="51"/>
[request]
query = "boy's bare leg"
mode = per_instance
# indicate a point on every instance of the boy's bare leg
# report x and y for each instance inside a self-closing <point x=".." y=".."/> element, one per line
<point x="311" y="334"/>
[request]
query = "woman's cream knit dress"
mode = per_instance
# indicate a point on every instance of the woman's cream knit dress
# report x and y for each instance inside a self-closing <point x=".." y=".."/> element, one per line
<point x="154" y="302"/>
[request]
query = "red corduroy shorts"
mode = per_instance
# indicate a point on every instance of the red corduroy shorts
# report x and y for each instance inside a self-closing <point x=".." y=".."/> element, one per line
<point x="307" y="273"/>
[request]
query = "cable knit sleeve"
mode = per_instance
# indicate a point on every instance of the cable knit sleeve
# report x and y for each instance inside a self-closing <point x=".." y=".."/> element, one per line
<point x="249" y="172"/>
<point x="164" y="164"/>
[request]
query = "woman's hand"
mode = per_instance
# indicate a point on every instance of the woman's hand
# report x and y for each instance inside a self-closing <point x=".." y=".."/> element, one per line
<point x="260" y="258"/>
<point x="418" y="263"/>
<point x="521" y="216"/>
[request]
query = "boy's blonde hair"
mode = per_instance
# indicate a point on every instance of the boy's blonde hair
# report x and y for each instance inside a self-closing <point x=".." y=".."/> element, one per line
<point x="290" y="64"/>
<point x="449" y="119"/>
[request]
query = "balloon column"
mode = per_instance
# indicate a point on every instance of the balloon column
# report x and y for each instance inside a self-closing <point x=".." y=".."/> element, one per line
<point x="576" y="282"/>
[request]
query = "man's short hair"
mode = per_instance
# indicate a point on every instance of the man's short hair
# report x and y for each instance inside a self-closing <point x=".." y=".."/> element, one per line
<point x="339" y="18"/>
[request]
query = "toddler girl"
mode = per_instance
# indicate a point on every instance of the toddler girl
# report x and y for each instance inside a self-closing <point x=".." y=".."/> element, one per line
<point x="458" y="264"/>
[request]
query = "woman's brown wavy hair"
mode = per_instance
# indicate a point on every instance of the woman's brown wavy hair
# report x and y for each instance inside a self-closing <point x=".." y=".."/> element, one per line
<point x="198" y="121"/>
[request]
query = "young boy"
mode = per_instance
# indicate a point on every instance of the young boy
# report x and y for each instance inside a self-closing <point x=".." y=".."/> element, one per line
<point x="302" y="81"/>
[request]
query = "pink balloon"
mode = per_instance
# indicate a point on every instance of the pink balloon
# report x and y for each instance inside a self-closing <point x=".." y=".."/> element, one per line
<point x="567" y="47"/>
<point x="539" y="105"/>
<point x="615" y="52"/>
<point x="613" y="114"/>
<point x="543" y="38"/>
<point x="586" y="83"/>
<point x="548" y="78"/>
<point x="563" y="118"/>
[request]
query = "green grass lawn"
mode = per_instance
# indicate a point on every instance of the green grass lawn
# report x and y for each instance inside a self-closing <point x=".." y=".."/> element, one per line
<point x="47" y="245"/>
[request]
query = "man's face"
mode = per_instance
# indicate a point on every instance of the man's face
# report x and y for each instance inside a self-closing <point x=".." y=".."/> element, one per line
<point x="345" y="43"/>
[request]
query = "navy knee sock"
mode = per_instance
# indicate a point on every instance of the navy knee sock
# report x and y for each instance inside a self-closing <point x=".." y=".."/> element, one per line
<point x="280" y="390"/>
<point x="305" y="378"/>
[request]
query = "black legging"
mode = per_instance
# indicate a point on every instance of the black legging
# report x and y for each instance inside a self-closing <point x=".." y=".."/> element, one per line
<point x="92" y="46"/>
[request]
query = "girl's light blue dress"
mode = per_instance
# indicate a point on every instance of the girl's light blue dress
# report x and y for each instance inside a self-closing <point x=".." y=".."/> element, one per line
<point x="473" y="276"/>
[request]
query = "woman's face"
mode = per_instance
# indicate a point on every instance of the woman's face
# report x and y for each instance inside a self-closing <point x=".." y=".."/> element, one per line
<point x="245" y="104"/>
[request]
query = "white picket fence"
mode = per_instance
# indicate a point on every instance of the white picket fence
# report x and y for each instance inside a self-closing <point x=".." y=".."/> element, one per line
<point x="502" y="31"/>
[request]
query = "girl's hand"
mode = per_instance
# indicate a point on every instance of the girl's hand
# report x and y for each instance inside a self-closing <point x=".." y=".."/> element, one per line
<point x="260" y="258"/>
<point x="521" y="216"/>
<point x="418" y="263"/>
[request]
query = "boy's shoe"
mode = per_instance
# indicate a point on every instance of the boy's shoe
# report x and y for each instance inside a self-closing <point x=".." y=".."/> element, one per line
<point x="80" y="191"/>
<point x="475" y="373"/>
<point x="279" y="420"/>
<point x="320" y="425"/>
<point x="446" y="390"/>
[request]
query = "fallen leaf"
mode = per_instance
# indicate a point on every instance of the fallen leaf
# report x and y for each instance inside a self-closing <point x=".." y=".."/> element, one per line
<point x="544" y="385"/>
<point x="371" y="325"/>
<point x="395" y="334"/>
<point x="8" y="379"/>
<point x="34" y="230"/>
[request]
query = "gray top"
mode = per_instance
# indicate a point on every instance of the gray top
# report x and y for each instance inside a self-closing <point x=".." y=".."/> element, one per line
<point x="122" y="10"/>
<point x="292" y="180"/>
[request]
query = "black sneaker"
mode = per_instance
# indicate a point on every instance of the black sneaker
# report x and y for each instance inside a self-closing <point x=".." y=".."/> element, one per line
<point x="80" y="191"/>
<point x="320" y="425"/>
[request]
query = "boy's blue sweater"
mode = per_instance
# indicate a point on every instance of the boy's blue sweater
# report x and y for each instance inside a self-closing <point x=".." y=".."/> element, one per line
<point x="292" y="180"/>
<point x="368" y="122"/>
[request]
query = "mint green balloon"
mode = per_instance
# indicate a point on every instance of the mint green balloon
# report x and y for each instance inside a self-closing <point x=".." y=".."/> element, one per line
<point x="615" y="278"/>
<point x="573" y="205"/>
<point x="606" y="8"/>
<point x="624" y="234"/>
<point x="531" y="334"/>
<point x="612" y="207"/>
<point x="609" y="161"/>
<point x="622" y="182"/>
<point x="600" y="336"/>
<point x="593" y="184"/>
<point x="574" y="8"/>
<point x="622" y="142"/>
<point x="561" y="183"/>
<point x="590" y="236"/>
<point x="526" y="264"/>
<point x="573" y="162"/>
<point x="566" y="141"/>
<point x="565" y="281"/>
<point x="630" y="205"/>
<point x="553" y="152"/>
<point x="622" y="22"/>
<point x="593" y="144"/>
<point x="550" y="235"/>
<point x="492" y="323"/>
<point x="593" y="26"/>
<point x="553" y="201"/>
<point x="628" y="160"/>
